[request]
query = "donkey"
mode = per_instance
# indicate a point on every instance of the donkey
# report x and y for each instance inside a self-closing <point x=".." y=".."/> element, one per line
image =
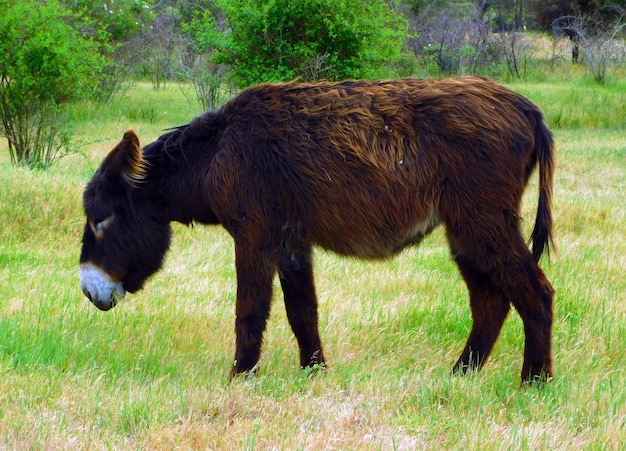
<point x="360" y="168"/>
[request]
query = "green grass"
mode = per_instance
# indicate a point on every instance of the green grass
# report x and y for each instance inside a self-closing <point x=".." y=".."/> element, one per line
<point x="153" y="372"/>
<point x="581" y="104"/>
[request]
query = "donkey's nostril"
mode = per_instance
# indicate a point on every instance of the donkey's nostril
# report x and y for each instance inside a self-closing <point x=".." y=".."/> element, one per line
<point x="88" y="294"/>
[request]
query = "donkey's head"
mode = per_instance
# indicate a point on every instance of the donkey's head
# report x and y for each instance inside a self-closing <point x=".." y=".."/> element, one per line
<point x="127" y="234"/>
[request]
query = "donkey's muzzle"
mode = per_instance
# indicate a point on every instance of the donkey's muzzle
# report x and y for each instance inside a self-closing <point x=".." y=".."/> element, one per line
<point x="99" y="288"/>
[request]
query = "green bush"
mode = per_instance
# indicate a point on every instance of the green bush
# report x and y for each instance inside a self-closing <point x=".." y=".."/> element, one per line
<point x="45" y="63"/>
<point x="274" y="40"/>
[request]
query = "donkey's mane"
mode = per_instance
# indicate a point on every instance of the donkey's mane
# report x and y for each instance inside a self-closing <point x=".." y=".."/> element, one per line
<point x="169" y="143"/>
<point x="177" y="144"/>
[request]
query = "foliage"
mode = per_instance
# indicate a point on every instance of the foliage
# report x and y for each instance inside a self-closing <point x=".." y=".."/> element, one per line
<point x="117" y="26"/>
<point x="44" y="64"/>
<point x="120" y="20"/>
<point x="203" y="37"/>
<point x="603" y="11"/>
<point x="275" y="40"/>
<point x="419" y="6"/>
<point x="453" y="39"/>
<point x="597" y="40"/>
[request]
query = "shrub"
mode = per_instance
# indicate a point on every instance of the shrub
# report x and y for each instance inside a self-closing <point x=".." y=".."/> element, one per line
<point x="274" y="40"/>
<point x="45" y="63"/>
<point x="597" y="39"/>
<point x="202" y="40"/>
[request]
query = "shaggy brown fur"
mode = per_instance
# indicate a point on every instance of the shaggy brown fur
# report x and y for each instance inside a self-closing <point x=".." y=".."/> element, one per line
<point x="361" y="168"/>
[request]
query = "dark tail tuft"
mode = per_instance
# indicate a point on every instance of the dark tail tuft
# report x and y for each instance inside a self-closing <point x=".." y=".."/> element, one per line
<point x="541" y="237"/>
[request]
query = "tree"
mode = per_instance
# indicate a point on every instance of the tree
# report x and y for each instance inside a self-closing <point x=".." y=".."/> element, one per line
<point x="596" y="39"/>
<point x="272" y="40"/>
<point x="203" y="37"/>
<point x="45" y="63"/>
<point x="600" y="13"/>
<point x="592" y="27"/>
<point x="452" y="38"/>
<point x="118" y="26"/>
<point x="161" y="39"/>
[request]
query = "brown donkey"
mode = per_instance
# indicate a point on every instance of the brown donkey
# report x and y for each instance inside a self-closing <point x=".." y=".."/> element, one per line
<point x="360" y="168"/>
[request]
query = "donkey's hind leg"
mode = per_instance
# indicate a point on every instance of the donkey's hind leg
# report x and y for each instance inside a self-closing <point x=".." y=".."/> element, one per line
<point x="296" y="278"/>
<point x="502" y="271"/>
<point x="489" y="310"/>
<point x="532" y="294"/>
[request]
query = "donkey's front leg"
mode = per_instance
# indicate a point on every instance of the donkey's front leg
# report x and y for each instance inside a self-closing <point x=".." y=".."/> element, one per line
<point x="255" y="271"/>
<point x="296" y="279"/>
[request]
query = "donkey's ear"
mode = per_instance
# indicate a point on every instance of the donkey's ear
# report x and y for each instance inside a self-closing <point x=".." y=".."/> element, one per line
<point x="126" y="160"/>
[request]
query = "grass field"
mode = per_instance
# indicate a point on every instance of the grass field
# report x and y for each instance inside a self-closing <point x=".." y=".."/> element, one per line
<point x="153" y="372"/>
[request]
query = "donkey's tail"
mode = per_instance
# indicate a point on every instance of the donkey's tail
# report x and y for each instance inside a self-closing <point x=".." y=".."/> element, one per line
<point x="541" y="236"/>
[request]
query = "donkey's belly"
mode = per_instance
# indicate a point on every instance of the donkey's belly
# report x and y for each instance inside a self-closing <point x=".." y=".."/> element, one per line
<point x="370" y="240"/>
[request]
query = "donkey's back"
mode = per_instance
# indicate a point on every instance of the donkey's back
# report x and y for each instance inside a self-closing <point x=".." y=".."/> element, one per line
<point x="366" y="168"/>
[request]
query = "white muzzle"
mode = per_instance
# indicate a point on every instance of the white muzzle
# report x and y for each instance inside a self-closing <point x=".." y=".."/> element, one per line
<point x="99" y="288"/>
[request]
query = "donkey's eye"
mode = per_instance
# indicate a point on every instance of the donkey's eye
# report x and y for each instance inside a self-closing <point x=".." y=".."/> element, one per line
<point x="99" y="227"/>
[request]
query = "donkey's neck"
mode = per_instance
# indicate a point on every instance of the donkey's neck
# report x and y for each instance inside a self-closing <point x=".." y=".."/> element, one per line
<point x="177" y="164"/>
